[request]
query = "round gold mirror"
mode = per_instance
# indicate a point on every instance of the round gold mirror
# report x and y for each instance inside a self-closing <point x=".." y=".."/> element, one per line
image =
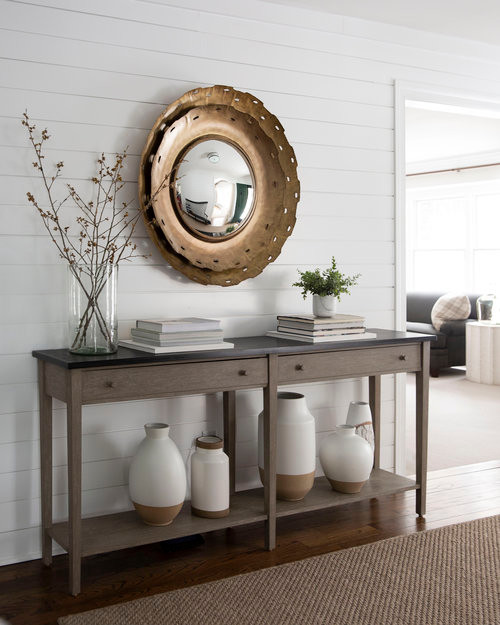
<point x="224" y="181"/>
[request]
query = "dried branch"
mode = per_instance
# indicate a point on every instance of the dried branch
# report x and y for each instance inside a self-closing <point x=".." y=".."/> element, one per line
<point x="102" y="232"/>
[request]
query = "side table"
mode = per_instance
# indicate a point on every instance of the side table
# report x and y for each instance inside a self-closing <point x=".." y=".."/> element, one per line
<point x="482" y="352"/>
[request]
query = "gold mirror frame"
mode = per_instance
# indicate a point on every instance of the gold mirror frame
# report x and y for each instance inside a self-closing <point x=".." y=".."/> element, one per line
<point x="241" y="120"/>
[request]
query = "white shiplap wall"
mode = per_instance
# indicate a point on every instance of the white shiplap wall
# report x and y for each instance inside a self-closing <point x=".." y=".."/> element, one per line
<point x="97" y="74"/>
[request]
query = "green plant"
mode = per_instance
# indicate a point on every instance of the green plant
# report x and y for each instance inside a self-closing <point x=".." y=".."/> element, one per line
<point x="327" y="282"/>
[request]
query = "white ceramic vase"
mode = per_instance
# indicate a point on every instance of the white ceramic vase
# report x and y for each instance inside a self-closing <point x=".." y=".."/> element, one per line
<point x="295" y="447"/>
<point x="209" y="478"/>
<point x="157" y="477"/>
<point x="324" y="305"/>
<point x="360" y="416"/>
<point x="347" y="459"/>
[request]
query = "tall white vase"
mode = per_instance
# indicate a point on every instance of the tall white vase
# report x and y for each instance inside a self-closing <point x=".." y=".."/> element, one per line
<point x="157" y="477"/>
<point x="295" y="447"/>
<point x="360" y="416"/>
<point x="324" y="305"/>
<point x="347" y="459"/>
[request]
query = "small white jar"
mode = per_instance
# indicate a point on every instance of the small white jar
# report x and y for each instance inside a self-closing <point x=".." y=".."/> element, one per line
<point x="209" y="478"/>
<point x="360" y="416"/>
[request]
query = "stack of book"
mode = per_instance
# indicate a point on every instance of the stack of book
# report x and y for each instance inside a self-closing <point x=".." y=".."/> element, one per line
<point x="311" y="329"/>
<point x="186" y="334"/>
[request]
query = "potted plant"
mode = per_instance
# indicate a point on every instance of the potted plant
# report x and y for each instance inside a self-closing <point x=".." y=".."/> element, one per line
<point x="326" y="287"/>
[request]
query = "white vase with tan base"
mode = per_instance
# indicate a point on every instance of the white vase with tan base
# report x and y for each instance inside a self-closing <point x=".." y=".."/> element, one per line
<point x="295" y="447"/>
<point x="347" y="459"/>
<point x="157" y="477"/>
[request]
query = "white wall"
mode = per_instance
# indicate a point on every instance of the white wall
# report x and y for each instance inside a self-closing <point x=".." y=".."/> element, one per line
<point x="97" y="74"/>
<point x="437" y="139"/>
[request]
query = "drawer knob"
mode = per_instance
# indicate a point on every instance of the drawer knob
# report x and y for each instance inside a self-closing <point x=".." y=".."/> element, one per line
<point x="402" y="356"/>
<point x="110" y="384"/>
<point x="242" y="372"/>
<point x="299" y="367"/>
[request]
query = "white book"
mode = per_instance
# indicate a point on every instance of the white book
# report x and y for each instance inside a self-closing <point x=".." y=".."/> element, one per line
<point x="317" y="327"/>
<point x="173" y="349"/>
<point x="337" y="321"/>
<point x="317" y="333"/>
<point x="321" y="339"/>
<point x="168" y="336"/>
<point x="178" y="338"/>
<point x="178" y="324"/>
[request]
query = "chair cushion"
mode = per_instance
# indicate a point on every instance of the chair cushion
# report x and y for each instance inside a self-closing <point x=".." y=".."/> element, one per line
<point x="448" y="307"/>
<point x="427" y="328"/>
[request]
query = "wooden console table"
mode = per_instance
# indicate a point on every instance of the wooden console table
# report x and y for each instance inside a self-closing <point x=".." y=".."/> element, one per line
<point x="255" y="362"/>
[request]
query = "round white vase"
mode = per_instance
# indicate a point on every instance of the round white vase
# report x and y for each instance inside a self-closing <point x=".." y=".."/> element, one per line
<point x="157" y="477"/>
<point x="360" y="416"/>
<point x="324" y="305"/>
<point x="347" y="459"/>
<point x="209" y="478"/>
<point x="295" y="447"/>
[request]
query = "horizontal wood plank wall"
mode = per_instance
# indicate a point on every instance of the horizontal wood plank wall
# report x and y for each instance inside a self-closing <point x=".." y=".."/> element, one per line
<point x="97" y="74"/>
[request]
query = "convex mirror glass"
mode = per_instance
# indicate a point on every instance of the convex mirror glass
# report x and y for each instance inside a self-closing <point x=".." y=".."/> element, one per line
<point x="214" y="189"/>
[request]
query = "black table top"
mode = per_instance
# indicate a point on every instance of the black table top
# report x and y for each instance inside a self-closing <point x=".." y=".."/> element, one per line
<point x="244" y="347"/>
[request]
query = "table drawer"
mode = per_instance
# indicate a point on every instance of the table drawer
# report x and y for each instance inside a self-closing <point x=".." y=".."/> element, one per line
<point x="346" y="364"/>
<point x="163" y="379"/>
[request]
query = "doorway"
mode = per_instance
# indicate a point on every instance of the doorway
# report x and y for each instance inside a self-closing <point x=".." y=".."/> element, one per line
<point x="447" y="218"/>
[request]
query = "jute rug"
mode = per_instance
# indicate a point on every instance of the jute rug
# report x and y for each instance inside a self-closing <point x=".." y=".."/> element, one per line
<point x="447" y="576"/>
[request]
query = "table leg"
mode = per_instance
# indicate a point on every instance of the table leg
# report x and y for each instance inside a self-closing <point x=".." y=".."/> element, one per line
<point x="422" y="419"/>
<point x="375" y="404"/>
<point x="45" y="410"/>
<point x="269" y="426"/>
<point x="229" y="410"/>
<point x="74" y="437"/>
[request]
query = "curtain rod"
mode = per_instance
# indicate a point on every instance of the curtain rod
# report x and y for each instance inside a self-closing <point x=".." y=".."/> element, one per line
<point x="443" y="171"/>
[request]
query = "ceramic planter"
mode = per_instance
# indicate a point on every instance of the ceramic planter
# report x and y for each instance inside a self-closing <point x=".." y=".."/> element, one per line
<point x="347" y="459"/>
<point x="209" y="478"/>
<point x="295" y="447"/>
<point x="157" y="478"/>
<point x="324" y="305"/>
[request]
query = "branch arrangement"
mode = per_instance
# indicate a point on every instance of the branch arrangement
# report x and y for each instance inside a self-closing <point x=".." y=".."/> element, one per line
<point x="102" y="235"/>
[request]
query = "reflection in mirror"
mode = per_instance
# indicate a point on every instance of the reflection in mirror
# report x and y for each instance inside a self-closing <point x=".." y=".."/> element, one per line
<point x="214" y="189"/>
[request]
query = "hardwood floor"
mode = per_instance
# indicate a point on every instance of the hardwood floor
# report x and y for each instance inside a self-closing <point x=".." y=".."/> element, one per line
<point x="31" y="594"/>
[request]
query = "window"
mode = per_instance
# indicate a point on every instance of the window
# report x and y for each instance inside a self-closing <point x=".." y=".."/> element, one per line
<point x="453" y="237"/>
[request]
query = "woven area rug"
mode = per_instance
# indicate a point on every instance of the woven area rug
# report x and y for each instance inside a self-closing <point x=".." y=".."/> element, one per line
<point x="447" y="576"/>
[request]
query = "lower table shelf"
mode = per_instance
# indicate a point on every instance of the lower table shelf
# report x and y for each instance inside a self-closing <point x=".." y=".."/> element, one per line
<point x="322" y="496"/>
<point x="125" y="529"/>
<point x="102" y="534"/>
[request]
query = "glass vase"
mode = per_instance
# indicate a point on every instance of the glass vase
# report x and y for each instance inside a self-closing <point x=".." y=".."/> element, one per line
<point x="92" y="322"/>
<point x="485" y="306"/>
